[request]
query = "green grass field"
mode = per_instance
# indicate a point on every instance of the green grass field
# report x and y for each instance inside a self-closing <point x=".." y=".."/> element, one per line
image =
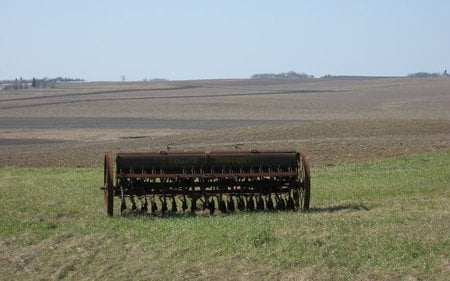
<point x="385" y="220"/>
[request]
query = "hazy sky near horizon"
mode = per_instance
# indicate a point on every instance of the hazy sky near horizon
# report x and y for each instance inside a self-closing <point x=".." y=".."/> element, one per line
<point x="104" y="39"/>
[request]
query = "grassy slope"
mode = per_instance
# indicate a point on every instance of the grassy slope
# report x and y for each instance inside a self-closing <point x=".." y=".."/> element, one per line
<point x="382" y="220"/>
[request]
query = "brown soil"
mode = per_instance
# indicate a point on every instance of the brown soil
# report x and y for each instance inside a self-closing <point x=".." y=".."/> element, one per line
<point x="332" y="120"/>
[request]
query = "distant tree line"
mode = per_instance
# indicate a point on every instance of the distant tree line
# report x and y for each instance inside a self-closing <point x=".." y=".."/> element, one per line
<point x="61" y="79"/>
<point x="154" y="80"/>
<point x="19" y="84"/>
<point x="425" y="74"/>
<point x="283" y="75"/>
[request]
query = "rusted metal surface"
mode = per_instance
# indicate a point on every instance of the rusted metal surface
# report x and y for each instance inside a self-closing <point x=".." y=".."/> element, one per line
<point x="165" y="181"/>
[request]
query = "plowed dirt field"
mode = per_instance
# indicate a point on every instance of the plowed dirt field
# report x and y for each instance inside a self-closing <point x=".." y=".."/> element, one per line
<point x="332" y="120"/>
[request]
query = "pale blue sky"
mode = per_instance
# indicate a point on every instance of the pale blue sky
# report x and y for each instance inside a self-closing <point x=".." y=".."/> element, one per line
<point x="101" y="40"/>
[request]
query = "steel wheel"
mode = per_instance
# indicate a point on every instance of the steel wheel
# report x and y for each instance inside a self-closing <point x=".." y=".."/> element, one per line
<point x="304" y="177"/>
<point x="108" y="184"/>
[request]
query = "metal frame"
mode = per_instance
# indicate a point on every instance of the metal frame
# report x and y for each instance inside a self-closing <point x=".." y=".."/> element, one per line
<point x="199" y="181"/>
